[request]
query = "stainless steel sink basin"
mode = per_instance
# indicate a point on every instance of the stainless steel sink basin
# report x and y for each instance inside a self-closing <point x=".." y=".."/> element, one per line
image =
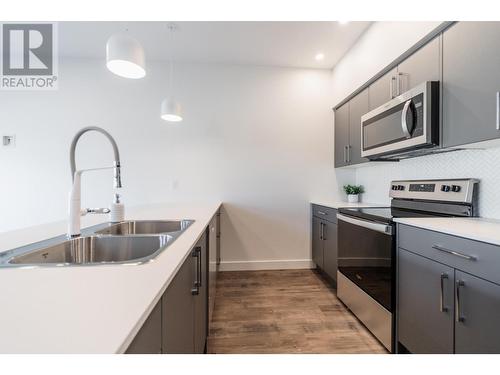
<point x="129" y="242"/>
<point x="145" y="227"/>
<point x="85" y="250"/>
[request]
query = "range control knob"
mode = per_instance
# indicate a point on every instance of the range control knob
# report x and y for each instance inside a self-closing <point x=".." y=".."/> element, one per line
<point x="445" y="188"/>
<point x="455" y="188"/>
<point x="401" y="187"/>
<point x="394" y="187"/>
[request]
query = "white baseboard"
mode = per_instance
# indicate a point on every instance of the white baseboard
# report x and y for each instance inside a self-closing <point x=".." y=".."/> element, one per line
<point x="257" y="265"/>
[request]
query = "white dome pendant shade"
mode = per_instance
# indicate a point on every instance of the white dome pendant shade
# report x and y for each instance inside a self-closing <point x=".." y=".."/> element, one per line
<point x="171" y="110"/>
<point x="125" y="57"/>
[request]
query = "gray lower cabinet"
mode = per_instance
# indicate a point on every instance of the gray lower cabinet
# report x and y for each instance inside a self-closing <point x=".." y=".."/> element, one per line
<point x="201" y="299"/>
<point x="330" y="249"/>
<point x="383" y="89"/>
<point x="471" y="82"/>
<point x="425" y="304"/>
<point x="448" y="293"/>
<point x="179" y="322"/>
<point x="424" y="65"/>
<point x="178" y="311"/>
<point x="149" y="338"/>
<point x="358" y="106"/>
<point x="324" y="240"/>
<point x="341" y="135"/>
<point x="213" y="240"/>
<point x="317" y="242"/>
<point x="477" y="327"/>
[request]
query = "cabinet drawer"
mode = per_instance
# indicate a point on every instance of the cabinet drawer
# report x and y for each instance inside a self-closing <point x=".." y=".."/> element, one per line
<point x="326" y="213"/>
<point x="471" y="256"/>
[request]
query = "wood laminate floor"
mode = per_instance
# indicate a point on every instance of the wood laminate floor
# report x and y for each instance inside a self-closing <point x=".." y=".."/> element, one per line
<point x="289" y="311"/>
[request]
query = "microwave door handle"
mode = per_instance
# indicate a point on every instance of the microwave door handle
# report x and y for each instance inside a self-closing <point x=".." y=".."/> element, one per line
<point x="382" y="228"/>
<point x="404" y="124"/>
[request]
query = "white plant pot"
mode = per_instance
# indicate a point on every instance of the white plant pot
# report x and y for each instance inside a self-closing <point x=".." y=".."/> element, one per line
<point x="353" y="198"/>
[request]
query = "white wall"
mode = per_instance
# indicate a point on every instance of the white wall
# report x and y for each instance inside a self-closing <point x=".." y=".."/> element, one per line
<point x="379" y="45"/>
<point x="258" y="138"/>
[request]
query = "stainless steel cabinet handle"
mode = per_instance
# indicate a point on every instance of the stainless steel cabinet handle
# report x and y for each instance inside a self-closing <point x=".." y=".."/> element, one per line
<point x="498" y="110"/>
<point x="442" y="307"/>
<point x="348" y="153"/>
<point x="195" y="290"/>
<point x="452" y="252"/>
<point x="345" y="154"/>
<point x="322" y="213"/>
<point x="322" y="235"/>
<point x="458" y="308"/>
<point x="404" y="124"/>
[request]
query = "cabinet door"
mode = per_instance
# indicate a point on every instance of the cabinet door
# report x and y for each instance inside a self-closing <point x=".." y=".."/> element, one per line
<point x="341" y="135"/>
<point x="317" y="242"/>
<point x="423" y="65"/>
<point x="358" y="106"/>
<point x="383" y="89"/>
<point x="212" y="265"/>
<point x="148" y="340"/>
<point x="201" y="299"/>
<point x="330" y="249"/>
<point x="471" y="82"/>
<point x="178" y="312"/>
<point x="477" y="323"/>
<point x="425" y="304"/>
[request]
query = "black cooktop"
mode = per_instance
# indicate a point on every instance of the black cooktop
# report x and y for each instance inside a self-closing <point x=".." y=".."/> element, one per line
<point x="383" y="214"/>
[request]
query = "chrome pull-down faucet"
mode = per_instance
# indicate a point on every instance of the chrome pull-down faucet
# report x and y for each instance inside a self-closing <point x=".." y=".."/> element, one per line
<point x="75" y="211"/>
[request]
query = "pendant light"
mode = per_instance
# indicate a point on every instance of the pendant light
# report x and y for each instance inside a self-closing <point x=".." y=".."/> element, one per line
<point x="125" y="56"/>
<point x="171" y="109"/>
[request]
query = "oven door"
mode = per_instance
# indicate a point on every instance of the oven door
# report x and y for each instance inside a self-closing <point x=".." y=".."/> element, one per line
<point x="366" y="251"/>
<point x="405" y="123"/>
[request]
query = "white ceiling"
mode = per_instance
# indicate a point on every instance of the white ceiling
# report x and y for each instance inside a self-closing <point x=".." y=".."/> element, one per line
<point x="288" y="44"/>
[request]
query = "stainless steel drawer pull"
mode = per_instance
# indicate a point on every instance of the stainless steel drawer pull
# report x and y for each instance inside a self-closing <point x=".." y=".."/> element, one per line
<point x="322" y="213"/>
<point x="452" y="252"/>
<point x="442" y="307"/>
<point x="458" y="308"/>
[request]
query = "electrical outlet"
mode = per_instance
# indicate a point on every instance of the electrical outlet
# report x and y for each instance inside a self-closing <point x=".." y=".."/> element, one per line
<point x="9" y="140"/>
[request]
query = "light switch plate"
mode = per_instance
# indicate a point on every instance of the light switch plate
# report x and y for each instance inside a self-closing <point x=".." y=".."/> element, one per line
<point x="9" y="140"/>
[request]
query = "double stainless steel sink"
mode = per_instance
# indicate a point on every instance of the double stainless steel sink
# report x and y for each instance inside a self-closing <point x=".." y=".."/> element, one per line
<point x="128" y="242"/>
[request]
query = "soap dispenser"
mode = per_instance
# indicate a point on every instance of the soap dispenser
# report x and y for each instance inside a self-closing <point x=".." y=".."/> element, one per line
<point x="117" y="210"/>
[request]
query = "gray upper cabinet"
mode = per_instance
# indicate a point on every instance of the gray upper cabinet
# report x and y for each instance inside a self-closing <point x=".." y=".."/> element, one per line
<point x="341" y="135"/>
<point x="477" y="328"/>
<point x="148" y="340"/>
<point x="358" y="106"/>
<point x="423" y="65"/>
<point x="383" y="89"/>
<point x="471" y="82"/>
<point x="425" y="304"/>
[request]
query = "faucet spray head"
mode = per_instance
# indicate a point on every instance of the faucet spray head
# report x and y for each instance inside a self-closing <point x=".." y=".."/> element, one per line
<point x="118" y="175"/>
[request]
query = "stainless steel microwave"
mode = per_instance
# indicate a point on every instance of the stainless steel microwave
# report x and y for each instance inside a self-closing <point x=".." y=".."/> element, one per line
<point x="405" y="126"/>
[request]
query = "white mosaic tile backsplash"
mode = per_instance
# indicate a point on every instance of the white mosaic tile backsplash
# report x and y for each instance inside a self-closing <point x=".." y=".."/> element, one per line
<point x="481" y="164"/>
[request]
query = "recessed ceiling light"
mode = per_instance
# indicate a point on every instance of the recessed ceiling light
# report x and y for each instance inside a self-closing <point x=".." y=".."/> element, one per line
<point x="319" y="56"/>
<point x="343" y="22"/>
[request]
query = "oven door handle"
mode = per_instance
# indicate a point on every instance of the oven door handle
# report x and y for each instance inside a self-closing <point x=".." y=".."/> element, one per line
<point x="382" y="228"/>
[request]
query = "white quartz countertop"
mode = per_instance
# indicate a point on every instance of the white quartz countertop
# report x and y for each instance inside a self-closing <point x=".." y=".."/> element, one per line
<point x="94" y="309"/>
<point x="474" y="228"/>
<point x="341" y="204"/>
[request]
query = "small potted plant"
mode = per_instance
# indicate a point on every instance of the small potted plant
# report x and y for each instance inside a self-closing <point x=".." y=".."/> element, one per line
<point x="353" y="192"/>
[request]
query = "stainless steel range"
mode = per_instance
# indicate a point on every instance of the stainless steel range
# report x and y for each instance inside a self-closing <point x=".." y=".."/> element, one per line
<point x="367" y="246"/>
